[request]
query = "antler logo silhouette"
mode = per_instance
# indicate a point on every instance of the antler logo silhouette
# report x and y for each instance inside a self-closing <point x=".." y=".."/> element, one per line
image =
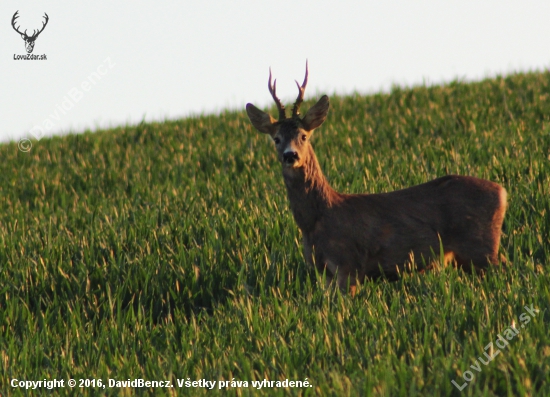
<point x="29" y="40"/>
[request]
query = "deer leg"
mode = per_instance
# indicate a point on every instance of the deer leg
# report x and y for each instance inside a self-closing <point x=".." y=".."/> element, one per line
<point x="343" y="283"/>
<point x="328" y="280"/>
<point x="477" y="263"/>
<point x="343" y="278"/>
<point x="476" y="255"/>
<point x="308" y="251"/>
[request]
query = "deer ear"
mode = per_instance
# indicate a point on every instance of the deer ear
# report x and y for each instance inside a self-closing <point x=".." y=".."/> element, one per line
<point x="316" y="115"/>
<point x="262" y="121"/>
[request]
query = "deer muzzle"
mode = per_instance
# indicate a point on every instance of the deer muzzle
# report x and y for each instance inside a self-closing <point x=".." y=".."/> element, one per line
<point x="290" y="157"/>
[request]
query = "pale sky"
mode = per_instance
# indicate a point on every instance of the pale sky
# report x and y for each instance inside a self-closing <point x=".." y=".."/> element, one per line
<point x="117" y="62"/>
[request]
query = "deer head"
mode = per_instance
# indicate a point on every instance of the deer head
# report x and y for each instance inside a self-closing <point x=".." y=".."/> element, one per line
<point x="29" y="40"/>
<point x="291" y="135"/>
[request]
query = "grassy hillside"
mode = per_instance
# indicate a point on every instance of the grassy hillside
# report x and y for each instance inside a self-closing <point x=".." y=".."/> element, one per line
<point x="167" y="251"/>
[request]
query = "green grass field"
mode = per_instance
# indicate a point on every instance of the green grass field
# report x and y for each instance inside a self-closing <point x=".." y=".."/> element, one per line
<point x="167" y="251"/>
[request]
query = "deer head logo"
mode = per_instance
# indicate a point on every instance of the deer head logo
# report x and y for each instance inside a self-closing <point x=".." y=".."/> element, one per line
<point x="29" y="40"/>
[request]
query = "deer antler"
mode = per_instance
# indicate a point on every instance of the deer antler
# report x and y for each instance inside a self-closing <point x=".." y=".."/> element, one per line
<point x="272" y="91"/>
<point x="35" y="33"/>
<point x="300" y="99"/>
<point x="15" y="16"/>
<point x="43" y="26"/>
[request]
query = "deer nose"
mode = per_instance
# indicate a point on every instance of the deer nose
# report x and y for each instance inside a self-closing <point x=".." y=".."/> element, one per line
<point x="290" y="157"/>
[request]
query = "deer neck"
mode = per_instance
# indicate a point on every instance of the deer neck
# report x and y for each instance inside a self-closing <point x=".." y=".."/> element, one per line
<point x="309" y="192"/>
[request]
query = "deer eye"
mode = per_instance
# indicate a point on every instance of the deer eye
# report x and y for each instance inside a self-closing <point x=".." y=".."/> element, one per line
<point x="276" y="140"/>
<point x="304" y="137"/>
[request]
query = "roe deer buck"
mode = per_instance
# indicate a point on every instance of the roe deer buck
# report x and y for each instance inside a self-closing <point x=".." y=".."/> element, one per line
<point x="358" y="235"/>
